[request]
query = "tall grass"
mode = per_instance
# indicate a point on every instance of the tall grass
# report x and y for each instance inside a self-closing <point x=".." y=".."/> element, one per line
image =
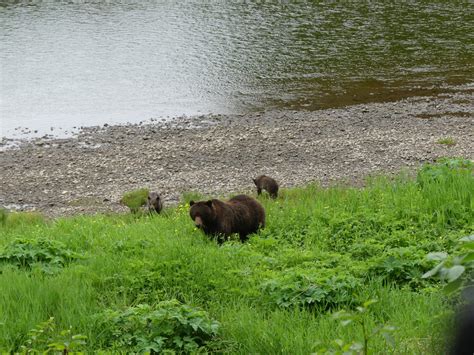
<point x="322" y="250"/>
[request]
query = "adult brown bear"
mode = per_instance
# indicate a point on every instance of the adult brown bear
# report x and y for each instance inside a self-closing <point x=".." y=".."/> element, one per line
<point x="267" y="183"/>
<point x="241" y="214"/>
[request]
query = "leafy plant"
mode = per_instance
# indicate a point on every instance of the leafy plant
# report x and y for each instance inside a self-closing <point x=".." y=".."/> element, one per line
<point x="48" y="254"/>
<point x="401" y="266"/>
<point x="359" y="317"/>
<point x="135" y="199"/>
<point x="45" y="338"/>
<point x="168" y="326"/>
<point x="296" y="289"/>
<point x="456" y="270"/>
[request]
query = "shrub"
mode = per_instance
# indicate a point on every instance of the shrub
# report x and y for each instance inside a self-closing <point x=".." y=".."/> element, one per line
<point x="168" y="326"/>
<point x="298" y="289"/>
<point x="135" y="199"/>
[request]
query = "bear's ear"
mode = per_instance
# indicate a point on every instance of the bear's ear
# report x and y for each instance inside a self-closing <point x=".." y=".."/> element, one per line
<point x="209" y="203"/>
<point x="191" y="203"/>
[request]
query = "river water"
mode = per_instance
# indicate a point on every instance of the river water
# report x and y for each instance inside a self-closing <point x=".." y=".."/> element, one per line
<point x="82" y="63"/>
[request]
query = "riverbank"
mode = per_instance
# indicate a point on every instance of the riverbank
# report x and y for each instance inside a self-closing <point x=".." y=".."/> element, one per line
<point x="217" y="154"/>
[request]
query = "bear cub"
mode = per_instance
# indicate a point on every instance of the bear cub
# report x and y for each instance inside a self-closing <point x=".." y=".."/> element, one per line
<point x="241" y="214"/>
<point x="264" y="182"/>
<point x="154" y="202"/>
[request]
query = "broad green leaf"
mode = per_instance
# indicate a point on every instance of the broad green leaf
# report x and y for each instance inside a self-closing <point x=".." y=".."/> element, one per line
<point x="469" y="238"/>
<point x="468" y="258"/>
<point x="437" y="256"/>
<point x="455" y="272"/>
<point x="453" y="286"/>
<point x="433" y="271"/>
<point x="346" y="322"/>
<point x="389" y="339"/>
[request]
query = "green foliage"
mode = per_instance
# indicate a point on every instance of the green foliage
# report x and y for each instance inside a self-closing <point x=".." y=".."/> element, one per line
<point x="189" y="196"/>
<point x="401" y="266"/>
<point x="168" y="326"/>
<point x="444" y="171"/>
<point x="457" y="270"/>
<point x="135" y="199"/>
<point x="321" y="288"/>
<point x="360" y="319"/>
<point x="322" y="249"/>
<point x="45" y="338"/>
<point x="48" y="255"/>
<point x="449" y="141"/>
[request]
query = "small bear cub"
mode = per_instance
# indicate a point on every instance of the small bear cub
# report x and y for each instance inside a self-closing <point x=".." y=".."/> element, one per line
<point x="264" y="182"/>
<point x="154" y="202"/>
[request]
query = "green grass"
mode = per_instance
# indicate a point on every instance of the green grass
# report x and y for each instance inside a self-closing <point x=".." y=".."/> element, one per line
<point x="322" y="250"/>
<point x="447" y="141"/>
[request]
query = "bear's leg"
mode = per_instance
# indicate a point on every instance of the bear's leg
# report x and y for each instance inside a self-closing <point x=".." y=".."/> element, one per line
<point x="259" y="191"/>
<point x="243" y="237"/>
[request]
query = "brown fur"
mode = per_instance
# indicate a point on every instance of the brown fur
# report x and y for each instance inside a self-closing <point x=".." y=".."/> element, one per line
<point x="264" y="182"/>
<point x="154" y="202"/>
<point x="241" y="214"/>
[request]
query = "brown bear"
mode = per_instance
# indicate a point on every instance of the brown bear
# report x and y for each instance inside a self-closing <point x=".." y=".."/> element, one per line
<point x="154" y="203"/>
<point x="266" y="183"/>
<point x="241" y="214"/>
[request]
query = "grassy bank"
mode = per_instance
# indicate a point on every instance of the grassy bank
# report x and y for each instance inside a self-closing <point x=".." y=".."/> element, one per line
<point x="323" y="250"/>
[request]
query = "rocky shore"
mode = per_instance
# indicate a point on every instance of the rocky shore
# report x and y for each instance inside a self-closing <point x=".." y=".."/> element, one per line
<point x="219" y="154"/>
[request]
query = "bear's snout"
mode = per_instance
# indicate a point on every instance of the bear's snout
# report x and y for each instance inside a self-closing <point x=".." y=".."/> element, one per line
<point x="198" y="222"/>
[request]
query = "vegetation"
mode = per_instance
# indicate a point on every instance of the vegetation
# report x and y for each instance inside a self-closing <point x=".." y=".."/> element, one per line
<point x="135" y="199"/>
<point x="449" y="141"/>
<point x="155" y="283"/>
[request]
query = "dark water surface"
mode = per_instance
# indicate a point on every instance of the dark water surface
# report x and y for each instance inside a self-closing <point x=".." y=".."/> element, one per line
<point x="89" y="62"/>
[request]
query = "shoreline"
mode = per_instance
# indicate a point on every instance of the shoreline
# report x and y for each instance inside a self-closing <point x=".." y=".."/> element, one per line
<point x="220" y="154"/>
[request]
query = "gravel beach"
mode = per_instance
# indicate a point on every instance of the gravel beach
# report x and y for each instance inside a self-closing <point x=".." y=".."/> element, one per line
<point x="220" y="154"/>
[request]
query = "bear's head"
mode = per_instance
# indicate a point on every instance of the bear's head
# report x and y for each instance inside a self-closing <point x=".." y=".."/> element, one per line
<point x="202" y="213"/>
<point x="153" y="198"/>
